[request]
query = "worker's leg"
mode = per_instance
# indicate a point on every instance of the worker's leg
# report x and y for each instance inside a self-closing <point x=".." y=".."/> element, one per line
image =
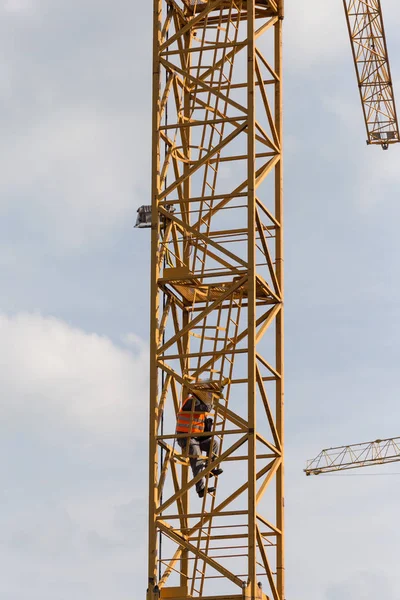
<point x="205" y="446"/>
<point x="197" y="464"/>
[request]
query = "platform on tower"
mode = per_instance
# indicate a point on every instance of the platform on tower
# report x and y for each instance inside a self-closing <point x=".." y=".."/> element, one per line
<point x="194" y="291"/>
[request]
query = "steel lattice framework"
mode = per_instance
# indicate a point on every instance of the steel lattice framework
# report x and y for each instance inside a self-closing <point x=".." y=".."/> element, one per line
<point x="368" y="43"/>
<point x="366" y="454"/>
<point x="216" y="299"/>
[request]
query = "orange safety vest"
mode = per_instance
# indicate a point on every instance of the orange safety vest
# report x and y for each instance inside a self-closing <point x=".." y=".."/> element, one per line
<point x="190" y="421"/>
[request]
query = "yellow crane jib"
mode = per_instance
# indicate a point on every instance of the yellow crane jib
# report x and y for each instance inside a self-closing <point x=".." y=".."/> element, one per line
<point x="368" y="44"/>
<point x="354" y="456"/>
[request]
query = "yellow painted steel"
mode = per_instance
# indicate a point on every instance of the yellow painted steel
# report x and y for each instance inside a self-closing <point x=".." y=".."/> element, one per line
<point x="354" y="456"/>
<point x="368" y="44"/>
<point x="217" y="286"/>
<point x="216" y="298"/>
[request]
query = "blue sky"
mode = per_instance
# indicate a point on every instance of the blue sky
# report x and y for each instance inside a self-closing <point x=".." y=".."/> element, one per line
<point x="75" y="153"/>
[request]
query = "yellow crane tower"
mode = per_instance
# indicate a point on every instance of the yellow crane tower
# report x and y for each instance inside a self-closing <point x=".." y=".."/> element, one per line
<point x="216" y="224"/>
<point x="354" y="456"/>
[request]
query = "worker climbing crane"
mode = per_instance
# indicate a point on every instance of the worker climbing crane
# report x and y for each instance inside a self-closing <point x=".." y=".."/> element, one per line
<point x="216" y="486"/>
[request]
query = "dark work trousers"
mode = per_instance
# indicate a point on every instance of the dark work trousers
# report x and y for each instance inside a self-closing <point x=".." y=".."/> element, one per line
<point x="197" y="447"/>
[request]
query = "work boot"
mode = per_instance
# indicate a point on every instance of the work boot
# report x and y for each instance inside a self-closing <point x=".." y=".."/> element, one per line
<point x="210" y="490"/>
<point x="217" y="471"/>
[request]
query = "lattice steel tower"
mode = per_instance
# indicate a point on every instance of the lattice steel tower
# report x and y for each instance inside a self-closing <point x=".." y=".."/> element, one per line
<point x="216" y="300"/>
<point x="217" y="283"/>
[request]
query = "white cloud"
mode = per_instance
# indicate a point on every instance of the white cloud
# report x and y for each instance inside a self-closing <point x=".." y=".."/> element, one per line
<point x="363" y="586"/>
<point x="18" y="6"/>
<point x="377" y="178"/>
<point x="71" y="122"/>
<point x="77" y="177"/>
<point x="60" y="557"/>
<point x="134" y="341"/>
<point x="316" y="35"/>
<point x="60" y="376"/>
<point x="73" y="412"/>
<point x="315" y="32"/>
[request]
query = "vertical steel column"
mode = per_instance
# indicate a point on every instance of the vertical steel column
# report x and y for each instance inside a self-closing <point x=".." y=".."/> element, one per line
<point x="154" y="303"/>
<point x="280" y="490"/>
<point x="251" y="310"/>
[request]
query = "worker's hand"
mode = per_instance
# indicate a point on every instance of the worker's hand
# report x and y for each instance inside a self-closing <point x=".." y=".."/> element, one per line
<point x="208" y="423"/>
